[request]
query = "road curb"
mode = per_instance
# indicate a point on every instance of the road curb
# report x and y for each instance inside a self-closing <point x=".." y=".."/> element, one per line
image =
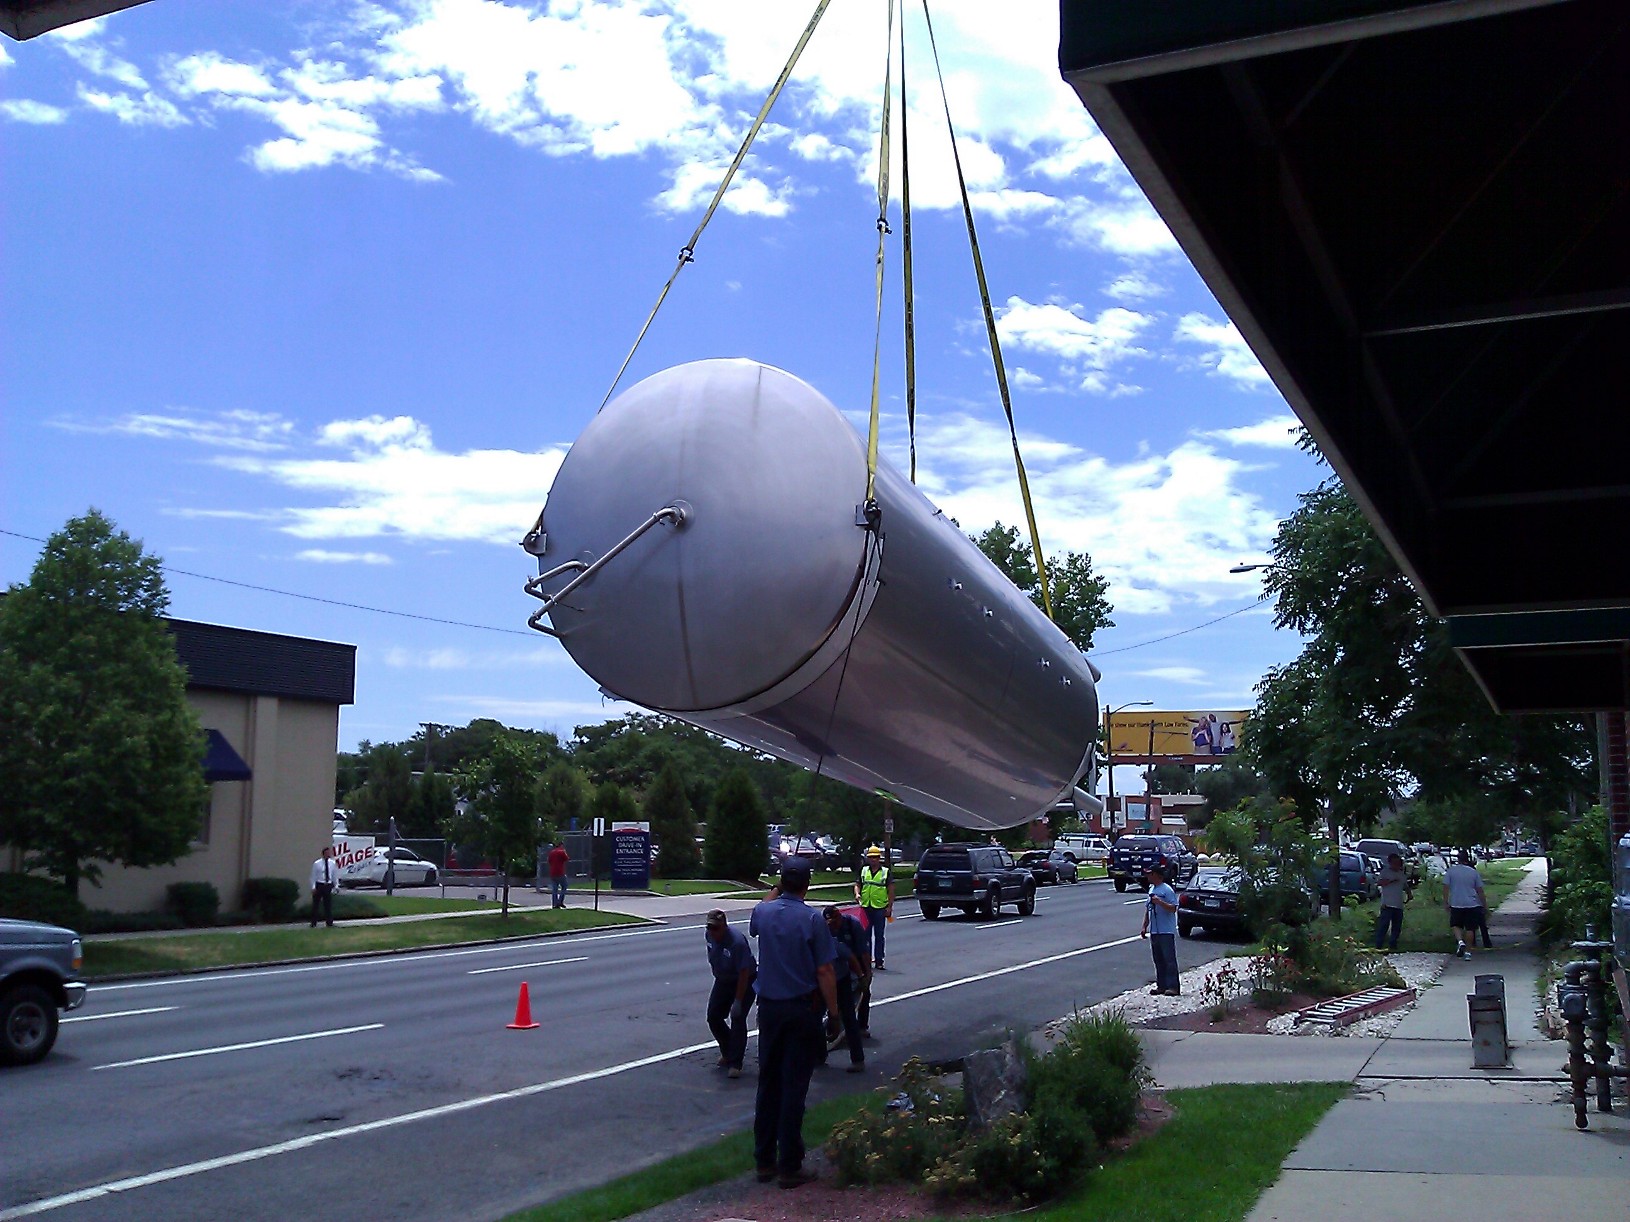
<point x="93" y="981"/>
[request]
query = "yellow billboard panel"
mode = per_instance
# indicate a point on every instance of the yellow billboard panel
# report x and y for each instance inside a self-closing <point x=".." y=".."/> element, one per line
<point x="1190" y="735"/>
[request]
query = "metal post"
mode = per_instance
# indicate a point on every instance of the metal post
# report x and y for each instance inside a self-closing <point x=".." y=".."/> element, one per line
<point x="1109" y="758"/>
<point x="594" y="865"/>
<point x="390" y="860"/>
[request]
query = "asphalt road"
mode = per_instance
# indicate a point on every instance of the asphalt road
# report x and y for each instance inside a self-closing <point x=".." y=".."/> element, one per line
<point x="393" y="1085"/>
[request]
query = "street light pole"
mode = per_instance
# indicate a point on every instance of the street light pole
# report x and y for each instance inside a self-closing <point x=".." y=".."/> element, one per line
<point x="1109" y="750"/>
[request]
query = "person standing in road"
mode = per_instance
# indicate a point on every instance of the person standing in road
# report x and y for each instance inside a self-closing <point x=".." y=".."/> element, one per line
<point x="1160" y="927"/>
<point x="734" y="969"/>
<point x="325" y="877"/>
<point x="1464" y="897"/>
<point x="1389" y="923"/>
<point x="795" y="980"/>
<point x="875" y="893"/>
<point x="557" y="876"/>
<point x="853" y="969"/>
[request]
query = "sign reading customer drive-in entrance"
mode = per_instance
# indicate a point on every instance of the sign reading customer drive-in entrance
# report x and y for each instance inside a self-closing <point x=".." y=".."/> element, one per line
<point x="630" y="859"/>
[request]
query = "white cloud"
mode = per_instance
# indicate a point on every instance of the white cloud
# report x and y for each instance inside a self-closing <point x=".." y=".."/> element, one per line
<point x="1223" y="350"/>
<point x="1089" y="346"/>
<point x="1191" y="675"/>
<point x="5" y="56"/>
<point x="232" y="430"/>
<point x="24" y="110"/>
<point x="542" y="654"/>
<point x="1134" y="286"/>
<point x="212" y="73"/>
<point x="148" y="110"/>
<point x="99" y="61"/>
<point x="1274" y="433"/>
<point x="1121" y="226"/>
<point x="1164" y="528"/>
<point x="323" y="556"/>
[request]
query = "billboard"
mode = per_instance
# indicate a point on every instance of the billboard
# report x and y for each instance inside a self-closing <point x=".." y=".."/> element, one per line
<point x="1189" y="737"/>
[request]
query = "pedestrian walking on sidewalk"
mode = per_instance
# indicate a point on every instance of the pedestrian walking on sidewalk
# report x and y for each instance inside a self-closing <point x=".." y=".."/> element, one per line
<point x="1464" y="897"/>
<point x="1389" y="923"/>
<point x="734" y="969"/>
<point x="795" y="983"/>
<point x="557" y="876"/>
<point x="1160" y="927"/>
<point x="853" y="969"/>
<point x="325" y="877"/>
<point x="875" y="893"/>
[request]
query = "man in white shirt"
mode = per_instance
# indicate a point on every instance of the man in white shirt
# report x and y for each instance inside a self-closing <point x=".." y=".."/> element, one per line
<point x="1466" y="901"/>
<point x="1389" y="922"/>
<point x="325" y="877"/>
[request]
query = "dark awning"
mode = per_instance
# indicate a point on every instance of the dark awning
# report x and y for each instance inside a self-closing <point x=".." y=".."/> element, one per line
<point x="1419" y="216"/>
<point x="221" y="762"/>
<point x="29" y="18"/>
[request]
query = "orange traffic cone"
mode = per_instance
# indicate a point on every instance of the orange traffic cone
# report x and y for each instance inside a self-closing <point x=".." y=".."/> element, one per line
<point x="523" y="1011"/>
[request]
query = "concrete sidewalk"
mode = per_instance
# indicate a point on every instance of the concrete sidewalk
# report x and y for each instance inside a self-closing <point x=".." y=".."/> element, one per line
<point x="1428" y="1134"/>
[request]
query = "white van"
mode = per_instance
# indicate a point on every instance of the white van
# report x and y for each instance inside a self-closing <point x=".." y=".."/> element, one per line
<point x="1080" y="846"/>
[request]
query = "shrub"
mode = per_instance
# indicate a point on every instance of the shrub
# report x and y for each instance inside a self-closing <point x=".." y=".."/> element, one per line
<point x="1337" y="963"/>
<point x="346" y="908"/>
<point x="1582" y="893"/>
<point x="195" y="903"/>
<point x="99" y="920"/>
<point x="271" y="901"/>
<point x="1005" y="1161"/>
<point x="28" y="897"/>
<point x="921" y="1126"/>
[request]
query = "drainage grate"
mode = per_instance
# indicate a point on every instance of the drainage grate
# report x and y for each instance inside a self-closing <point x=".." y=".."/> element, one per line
<point x="1340" y="1011"/>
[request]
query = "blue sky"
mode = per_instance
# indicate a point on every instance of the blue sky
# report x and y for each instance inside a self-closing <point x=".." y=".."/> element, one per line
<point x="314" y="297"/>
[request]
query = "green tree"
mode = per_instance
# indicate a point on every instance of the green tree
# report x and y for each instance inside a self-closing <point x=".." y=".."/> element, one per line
<point x="1582" y="889"/>
<point x="673" y="824"/>
<point x="737" y="847"/>
<point x="101" y="755"/>
<point x="502" y="815"/>
<point x="433" y="804"/>
<point x="386" y="793"/>
<point x="615" y="805"/>
<point x="562" y="796"/>
<point x="1080" y="597"/>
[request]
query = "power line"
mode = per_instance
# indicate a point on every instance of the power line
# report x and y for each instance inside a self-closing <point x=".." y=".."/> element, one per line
<point x="454" y="623"/>
<point x="313" y="598"/>
<point x="1104" y="653"/>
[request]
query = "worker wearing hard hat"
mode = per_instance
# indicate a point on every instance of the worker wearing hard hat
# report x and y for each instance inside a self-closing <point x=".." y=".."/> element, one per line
<point x="874" y="892"/>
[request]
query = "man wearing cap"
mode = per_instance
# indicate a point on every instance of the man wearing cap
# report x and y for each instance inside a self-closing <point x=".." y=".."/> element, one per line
<point x="1160" y="927"/>
<point x="795" y="983"/>
<point x="875" y="893"/>
<point x="852" y="968"/>
<point x="1389" y="922"/>
<point x="734" y="969"/>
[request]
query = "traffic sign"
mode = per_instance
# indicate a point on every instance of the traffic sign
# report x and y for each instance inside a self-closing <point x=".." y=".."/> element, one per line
<point x="599" y="828"/>
<point x="888" y="825"/>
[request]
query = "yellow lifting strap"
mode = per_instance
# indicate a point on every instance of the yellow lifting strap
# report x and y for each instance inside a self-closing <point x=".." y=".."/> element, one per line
<point x="884" y="152"/>
<point x="905" y="254"/>
<point x="687" y="253"/>
<point x="990" y="329"/>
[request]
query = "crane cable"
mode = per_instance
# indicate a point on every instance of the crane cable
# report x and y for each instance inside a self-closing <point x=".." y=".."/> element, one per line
<point x="687" y="253"/>
<point x="884" y="152"/>
<point x="905" y="252"/>
<point x="990" y="327"/>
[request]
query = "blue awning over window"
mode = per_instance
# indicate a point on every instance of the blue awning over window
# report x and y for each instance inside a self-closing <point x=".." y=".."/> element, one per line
<point x="221" y="762"/>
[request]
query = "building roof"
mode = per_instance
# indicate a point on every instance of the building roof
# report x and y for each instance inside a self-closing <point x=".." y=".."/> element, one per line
<point x="1418" y="214"/>
<point x="29" y="18"/>
<point x="264" y="663"/>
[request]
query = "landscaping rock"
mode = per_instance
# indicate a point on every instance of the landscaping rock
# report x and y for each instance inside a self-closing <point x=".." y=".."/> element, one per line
<point x="993" y="1085"/>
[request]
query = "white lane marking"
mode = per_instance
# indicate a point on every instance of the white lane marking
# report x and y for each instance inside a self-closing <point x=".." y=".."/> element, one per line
<point x="1000" y="924"/>
<point x="375" y="961"/>
<point x="91" y="1018"/>
<point x="208" y="1052"/>
<point x="1129" y="903"/>
<point x="1001" y="971"/>
<point x="519" y="967"/>
<point x="186" y="1170"/>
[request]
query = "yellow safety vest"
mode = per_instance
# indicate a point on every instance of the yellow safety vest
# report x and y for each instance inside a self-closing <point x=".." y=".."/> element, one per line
<point x="874" y="888"/>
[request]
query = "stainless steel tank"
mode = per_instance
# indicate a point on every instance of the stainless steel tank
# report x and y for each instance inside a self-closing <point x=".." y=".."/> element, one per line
<point x="705" y="552"/>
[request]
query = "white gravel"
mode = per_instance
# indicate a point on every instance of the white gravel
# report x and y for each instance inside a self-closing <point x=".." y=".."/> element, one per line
<point x="1418" y="971"/>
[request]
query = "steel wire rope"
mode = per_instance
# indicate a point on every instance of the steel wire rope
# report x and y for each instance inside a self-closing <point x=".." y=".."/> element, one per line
<point x="907" y="284"/>
<point x="884" y="152"/>
<point x="990" y="324"/>
<point x="687" y="253"/>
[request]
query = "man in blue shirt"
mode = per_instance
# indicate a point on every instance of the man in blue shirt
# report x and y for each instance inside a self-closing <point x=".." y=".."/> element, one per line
<point x="853" y="968"/>
<point x="734" y="969"/>
<point x="1160" y="927"/>
<point x="795" y="979"/>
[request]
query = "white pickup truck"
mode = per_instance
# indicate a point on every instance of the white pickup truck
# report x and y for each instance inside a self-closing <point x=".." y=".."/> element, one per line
<point x="1080" y="846"/>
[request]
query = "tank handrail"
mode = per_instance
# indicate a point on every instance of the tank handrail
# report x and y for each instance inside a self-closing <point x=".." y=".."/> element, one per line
<point x="676" y="513"/>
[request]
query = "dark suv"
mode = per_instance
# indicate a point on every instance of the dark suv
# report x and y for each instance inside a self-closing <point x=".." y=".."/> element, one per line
<point x="1131" y="856"/>
<point x="39" y="975"/>
<point x="973" y="877"/>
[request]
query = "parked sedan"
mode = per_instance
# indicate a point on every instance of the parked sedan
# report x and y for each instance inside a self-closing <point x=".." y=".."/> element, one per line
<point x="411" y="869"/>
<point x="1211" y="902"/>
<point x="1049" y="866"/>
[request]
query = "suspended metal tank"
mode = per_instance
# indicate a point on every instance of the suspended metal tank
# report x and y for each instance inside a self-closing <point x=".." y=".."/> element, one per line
<point x="705" y="552"/>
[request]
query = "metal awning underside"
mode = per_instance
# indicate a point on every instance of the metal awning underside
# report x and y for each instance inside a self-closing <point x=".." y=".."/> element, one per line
<point x="1419" y="216"/>
<point x="30" y="18"/>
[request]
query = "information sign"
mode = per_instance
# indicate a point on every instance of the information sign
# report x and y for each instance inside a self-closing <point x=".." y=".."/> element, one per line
<point x="630" y="859"/>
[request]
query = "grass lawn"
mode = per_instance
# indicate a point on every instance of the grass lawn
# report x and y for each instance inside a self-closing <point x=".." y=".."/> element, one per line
<point x="683" y="1173"/>
<point x="224" y="949"/>
<point x="1221" y="1151"/>
<point x="1426" y="923"/>
<point x="417" y="905"/>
